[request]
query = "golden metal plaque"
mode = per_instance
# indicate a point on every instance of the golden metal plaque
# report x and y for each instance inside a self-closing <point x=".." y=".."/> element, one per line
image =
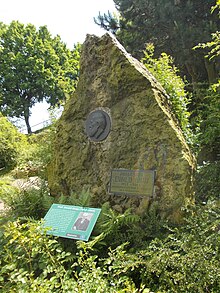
<point x="132" y="182"/>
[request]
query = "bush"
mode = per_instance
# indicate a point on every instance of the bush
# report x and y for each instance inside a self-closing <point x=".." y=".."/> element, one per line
<point x="34" y="158"/>
<point x="11" y="143"/>
<point x="25" y="200"/>
<point x="208" y="185"/>
<point x="26" y="155"/>
<point x="31" y="261"/>
<point x="207" y="182"/>
<point x="187" y="260"/>
<point x="166" y="73"/>
<point x="209" y="136"/>
<point x="207" y="177"/>
<point x="137" y="231"/>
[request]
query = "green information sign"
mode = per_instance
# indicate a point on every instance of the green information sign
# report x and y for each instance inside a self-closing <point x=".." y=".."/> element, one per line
<point x="71" y="221"/>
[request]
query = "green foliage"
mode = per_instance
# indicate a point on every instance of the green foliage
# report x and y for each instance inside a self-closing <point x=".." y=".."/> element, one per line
<point x="166" y="73"/>
<point x="207" y="182"/>
<point x="82" y="199"/>
<point x="173" y="26"/>
<point x="108" y="21"/>
<point x="11" y="143"/>
<point x="25" y="192"/>
<point x="210" y="123"/>
<point x="187" y="260"/>
<point x="114" y="269"/>
<point x="118" y="228"/>
<point x="210" y="114"/>
<point x="34" y="66"/>
<point x="207" y="121"/>
<point x="25" y="200"/>
<point x="212" y="46"/>
<point x="31" y="261"/>
<point x="34" y="157"/>
<point x="111" y="221"/>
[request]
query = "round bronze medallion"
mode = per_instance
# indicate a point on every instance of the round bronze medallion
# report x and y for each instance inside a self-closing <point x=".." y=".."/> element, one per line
<point x="98" y="125"/>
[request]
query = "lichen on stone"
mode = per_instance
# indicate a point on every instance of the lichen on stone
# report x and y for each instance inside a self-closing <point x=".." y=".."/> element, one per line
<point x="144" y="135"/>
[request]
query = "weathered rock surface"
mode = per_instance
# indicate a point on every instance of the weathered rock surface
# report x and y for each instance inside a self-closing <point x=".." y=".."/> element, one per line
<point x="143" y="135"/>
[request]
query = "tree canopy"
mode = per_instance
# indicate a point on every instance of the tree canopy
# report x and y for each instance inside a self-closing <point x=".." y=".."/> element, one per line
<point x="34" y="66"/>
<point x="173" y="26"/>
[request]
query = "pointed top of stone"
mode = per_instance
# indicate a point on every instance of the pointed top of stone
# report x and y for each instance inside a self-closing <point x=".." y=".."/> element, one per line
<point x="142" y="134"/>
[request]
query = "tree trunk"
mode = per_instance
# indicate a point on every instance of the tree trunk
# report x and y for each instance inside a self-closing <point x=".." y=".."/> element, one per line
<point x="26" y="118"/>
<point x="28" y="124"/>
<point x="212" y="74"/>
<point x="193" y="74"/>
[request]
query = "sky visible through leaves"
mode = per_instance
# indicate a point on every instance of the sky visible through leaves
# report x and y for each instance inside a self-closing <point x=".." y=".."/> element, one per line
<point x="72" y="20"/>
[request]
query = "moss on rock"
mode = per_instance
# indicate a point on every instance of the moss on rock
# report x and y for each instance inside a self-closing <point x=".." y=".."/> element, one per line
<point x="144" y="133"/>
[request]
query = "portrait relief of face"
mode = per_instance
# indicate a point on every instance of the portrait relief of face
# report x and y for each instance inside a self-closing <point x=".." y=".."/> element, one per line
<point x="98" y="125"/>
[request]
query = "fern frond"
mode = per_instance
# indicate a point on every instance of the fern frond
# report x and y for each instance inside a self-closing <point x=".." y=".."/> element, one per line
<point x="82" y="199"/>
<point x="110" y="220"/>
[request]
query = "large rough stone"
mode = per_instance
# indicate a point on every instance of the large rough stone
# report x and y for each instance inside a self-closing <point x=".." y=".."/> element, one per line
<point x="143" y="136"/>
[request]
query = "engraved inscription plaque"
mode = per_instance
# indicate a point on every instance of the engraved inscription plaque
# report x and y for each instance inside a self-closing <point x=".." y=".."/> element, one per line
<point x="132" y="182"/>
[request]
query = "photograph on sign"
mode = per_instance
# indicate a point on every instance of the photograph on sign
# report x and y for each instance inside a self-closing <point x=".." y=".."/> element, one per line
<point x="132" y="182"/>
<point x="82" y="221"/>
<point x="70" y="221"/>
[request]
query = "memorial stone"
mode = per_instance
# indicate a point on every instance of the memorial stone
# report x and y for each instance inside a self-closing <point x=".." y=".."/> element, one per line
<point x="119" y="118"/>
